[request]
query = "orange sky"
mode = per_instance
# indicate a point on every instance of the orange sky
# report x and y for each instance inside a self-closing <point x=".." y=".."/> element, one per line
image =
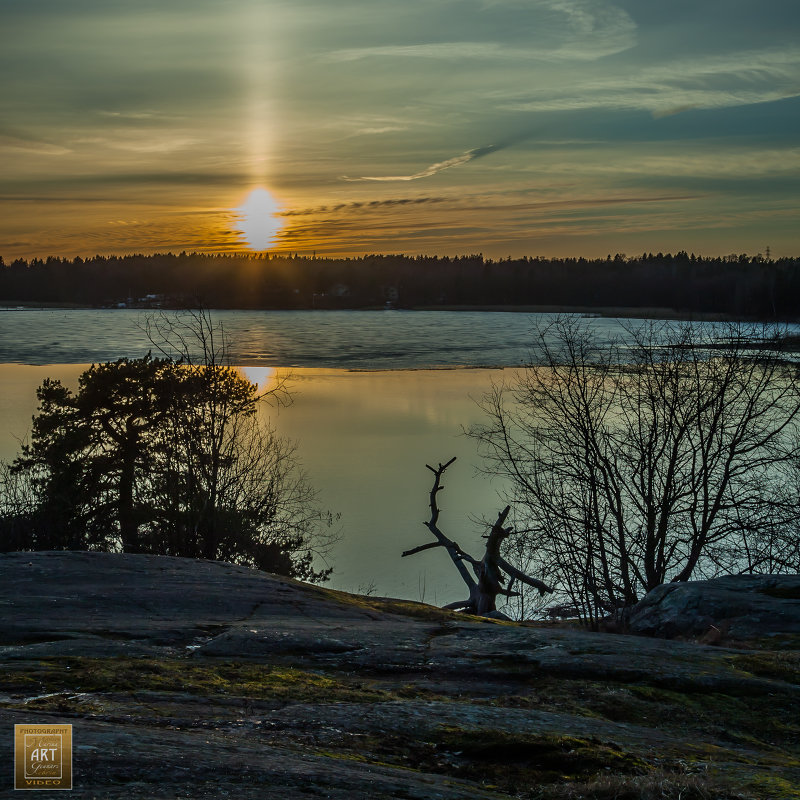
<point x="556" y="127"/>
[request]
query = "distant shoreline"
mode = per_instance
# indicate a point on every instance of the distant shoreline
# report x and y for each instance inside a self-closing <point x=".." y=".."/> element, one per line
<point x="614" y="312"/>
<point x="610" y="312"/>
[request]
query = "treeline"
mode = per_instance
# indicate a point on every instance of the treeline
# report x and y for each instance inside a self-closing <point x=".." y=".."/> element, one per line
<point x="741" y="285"/>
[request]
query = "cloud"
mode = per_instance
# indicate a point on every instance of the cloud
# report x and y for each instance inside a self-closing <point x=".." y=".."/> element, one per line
<point x="31" y="144"/>
<point x="476" y="222"/>
<point x="448" y="51"/>
<point x="438" y="51"/>
<point x="456" y="161"/>
<point x="383" y="129"/>
<point x="676" y="86"/>
<point x="68" y="199"/>
<point x="365" y="206"/>
<point x="133" y="179"/>
<point x="186" y="104"/>
<point x="146" y="143"/>
<point x="571" y="30"/>
<point x="351" y="125"/>
<point x="130" y="114"/>
<point x="734" y="163"/>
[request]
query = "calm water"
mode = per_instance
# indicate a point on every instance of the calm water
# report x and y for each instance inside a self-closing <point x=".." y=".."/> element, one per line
<point x="339" y="339"/>
<point x="364" y="439"/>
<point x="364" y="436"/>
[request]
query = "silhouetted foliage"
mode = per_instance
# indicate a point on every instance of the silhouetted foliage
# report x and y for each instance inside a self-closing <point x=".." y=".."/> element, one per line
<point x="738" y="285"/>
<point x="666" y="457"/>
<point x="163" y="455"/>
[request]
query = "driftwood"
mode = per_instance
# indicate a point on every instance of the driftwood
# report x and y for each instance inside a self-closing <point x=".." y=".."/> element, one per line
<point x="488" y="581"/>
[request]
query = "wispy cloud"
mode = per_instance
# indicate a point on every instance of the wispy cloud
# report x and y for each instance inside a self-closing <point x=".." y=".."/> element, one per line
<point x="130" y="114"/>
<point x="146" y="143"/>
<point x="382" y="129"/>
<point x="456" y="161"/>
<point x="31" y="144"/>
<point x="741" y="163"/>
<point x="449" y="51"/>
<point x="366" y="205"/>
<point x="573" y="30"/>
<point x="475" y="221"/>
<point x="437" y="50"/>
<point x="679" y="85"/>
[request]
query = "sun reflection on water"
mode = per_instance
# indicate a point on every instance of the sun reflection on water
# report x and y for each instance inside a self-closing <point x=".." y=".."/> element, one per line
<point x="263" y="377"/>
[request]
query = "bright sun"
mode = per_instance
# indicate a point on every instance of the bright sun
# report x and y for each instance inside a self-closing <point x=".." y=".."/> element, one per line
<point x="258" y="219"/>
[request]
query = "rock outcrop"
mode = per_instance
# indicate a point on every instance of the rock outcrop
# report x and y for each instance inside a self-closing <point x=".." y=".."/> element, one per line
<point x="187" y="678"/>
<point x="732" y="609"/>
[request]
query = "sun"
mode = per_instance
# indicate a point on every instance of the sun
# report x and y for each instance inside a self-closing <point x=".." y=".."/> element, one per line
<point x="258" y="219"/>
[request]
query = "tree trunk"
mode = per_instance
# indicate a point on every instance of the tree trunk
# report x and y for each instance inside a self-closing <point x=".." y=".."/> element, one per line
<point x="128" y="530"/>
<point x="490" y="582"/>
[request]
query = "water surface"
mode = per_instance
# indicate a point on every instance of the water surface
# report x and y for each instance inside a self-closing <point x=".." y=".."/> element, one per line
<point x="369" y="413"/>
<point x="364" y="439"/>
<point x="339" y="339"/>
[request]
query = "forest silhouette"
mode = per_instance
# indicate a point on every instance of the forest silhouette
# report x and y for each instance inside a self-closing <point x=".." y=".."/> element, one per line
<point x="735" y="285"/>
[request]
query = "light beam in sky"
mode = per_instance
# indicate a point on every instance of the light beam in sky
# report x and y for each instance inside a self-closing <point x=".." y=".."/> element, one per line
<point x="258" y="76"/>
<point x="258" y="219"/>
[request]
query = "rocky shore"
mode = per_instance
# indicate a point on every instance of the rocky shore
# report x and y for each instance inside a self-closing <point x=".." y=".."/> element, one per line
<point x="186" y="678"/>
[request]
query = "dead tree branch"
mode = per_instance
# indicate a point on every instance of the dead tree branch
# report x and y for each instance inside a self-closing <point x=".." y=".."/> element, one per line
<point x="489" y="580"/>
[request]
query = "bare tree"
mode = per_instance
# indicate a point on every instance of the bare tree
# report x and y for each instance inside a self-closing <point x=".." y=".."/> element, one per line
<point x="655" y="457"/>
<point x="21" y="523"/>
<point x="228" y="486"/>
<point x="488" y="581"/>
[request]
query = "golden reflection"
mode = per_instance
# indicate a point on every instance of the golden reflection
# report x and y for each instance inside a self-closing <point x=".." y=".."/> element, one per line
<point x="263" y="377"/>
<point x="258" y="219"/>
<point x="364" y="438"/>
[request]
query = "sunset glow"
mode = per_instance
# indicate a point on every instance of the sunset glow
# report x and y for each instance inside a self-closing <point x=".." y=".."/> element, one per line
<point x="258" y="219"/>
<point x="508" y="128"/>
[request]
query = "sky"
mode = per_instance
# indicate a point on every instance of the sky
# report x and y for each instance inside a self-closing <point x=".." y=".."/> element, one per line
<point x="502" y="127"/>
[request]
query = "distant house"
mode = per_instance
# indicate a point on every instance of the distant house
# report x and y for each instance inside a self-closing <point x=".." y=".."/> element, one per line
<point x="151" y="301"/>
<point x="391" y="294"/>
<point x="339" y="290"/>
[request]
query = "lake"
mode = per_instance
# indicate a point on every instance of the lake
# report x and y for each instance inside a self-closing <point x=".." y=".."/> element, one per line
<point x="336" y="339"/>
<point x="377" y="395"/>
